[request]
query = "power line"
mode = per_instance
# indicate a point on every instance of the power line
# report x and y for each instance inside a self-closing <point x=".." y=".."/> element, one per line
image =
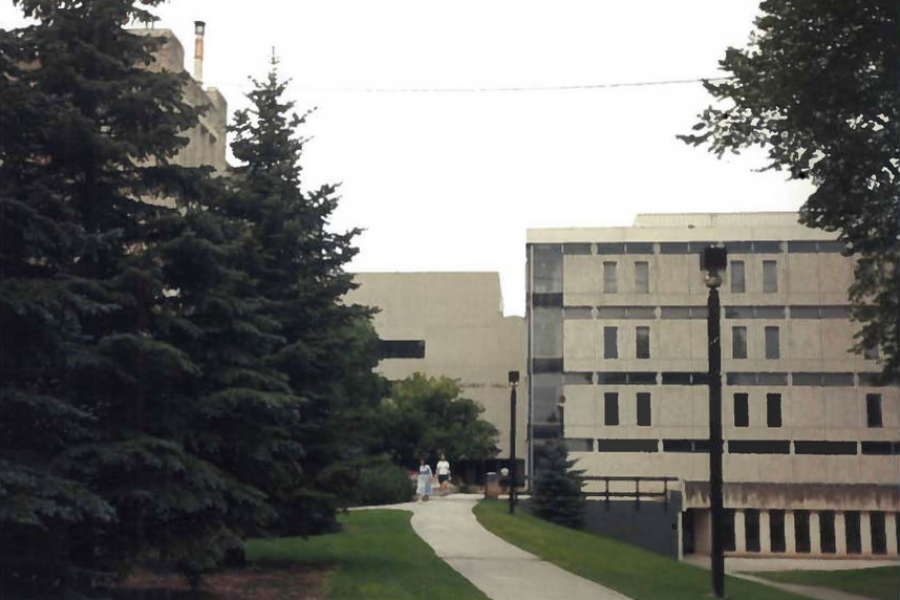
<point x="471" y="90"/>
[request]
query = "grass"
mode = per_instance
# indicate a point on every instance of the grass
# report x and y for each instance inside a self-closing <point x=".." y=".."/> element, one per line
<point x="377" y="556"/>
<point x="880" y="583"/>
<point x="627" y="569"/>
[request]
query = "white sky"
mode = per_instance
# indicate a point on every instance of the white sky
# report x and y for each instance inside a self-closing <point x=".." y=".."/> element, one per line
<point x="450" y="181"/>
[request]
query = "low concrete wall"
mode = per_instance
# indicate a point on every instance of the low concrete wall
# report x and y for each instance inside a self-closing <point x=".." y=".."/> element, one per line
<point x="653" y="526"/>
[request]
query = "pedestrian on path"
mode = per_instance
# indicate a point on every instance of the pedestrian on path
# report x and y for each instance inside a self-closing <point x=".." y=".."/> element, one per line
<point x="443" y="473"/>
<point x="423" y="485"/>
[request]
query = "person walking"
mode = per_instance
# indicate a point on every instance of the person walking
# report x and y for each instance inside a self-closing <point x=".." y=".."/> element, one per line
<point x="443" y="473"/>
<point x="423" y="484"/>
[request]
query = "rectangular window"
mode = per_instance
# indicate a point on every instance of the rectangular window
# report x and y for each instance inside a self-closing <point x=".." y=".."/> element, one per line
<point x="776" y="531"/>
<point x="643" y="409"/>
<point x="738" y="342"/>
<point x="610" y="408"/>
<point x="852" y="531"/>
<point x="826" y="532"/>
<point x="873" y="410"/>
<point x="770" y="276"/>
<point x="741" y="410"/>
<point x="738" y="285"/>
<point x="642" y="342"/>
<point x="401" y="349"/>
<point x="610" y="342"/>
<point x="642" y="277"/>
<point x="773" y="410"/>
<point x="610" y="281"/>
<point x="878" y="533"/>
<point x="773" y="350"/>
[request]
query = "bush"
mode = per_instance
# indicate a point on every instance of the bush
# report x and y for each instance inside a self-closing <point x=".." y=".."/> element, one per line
<point x="384" y="483"/>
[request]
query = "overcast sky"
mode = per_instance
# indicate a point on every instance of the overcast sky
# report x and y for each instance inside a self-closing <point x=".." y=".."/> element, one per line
<point x="451" y="180"/>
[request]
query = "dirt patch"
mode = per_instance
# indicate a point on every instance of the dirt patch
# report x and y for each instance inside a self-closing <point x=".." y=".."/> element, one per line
<point x="258" y="582"/>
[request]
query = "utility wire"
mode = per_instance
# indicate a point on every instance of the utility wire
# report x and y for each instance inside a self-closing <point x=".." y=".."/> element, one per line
<point x="497" y="89"/>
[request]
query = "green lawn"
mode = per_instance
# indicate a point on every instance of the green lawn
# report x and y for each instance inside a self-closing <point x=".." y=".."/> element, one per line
<point x="628" y="569"/>
<point x="881" y="583"/>
<point x="377" y="556"/>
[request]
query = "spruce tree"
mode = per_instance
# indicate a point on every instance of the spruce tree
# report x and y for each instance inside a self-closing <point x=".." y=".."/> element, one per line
<point x="557" y="486"/>
<point x="98" y="410"/>
<point x="329" y="348"/>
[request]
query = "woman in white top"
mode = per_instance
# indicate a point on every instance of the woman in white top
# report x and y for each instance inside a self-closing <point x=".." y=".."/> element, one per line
<point x="443" y="472"/>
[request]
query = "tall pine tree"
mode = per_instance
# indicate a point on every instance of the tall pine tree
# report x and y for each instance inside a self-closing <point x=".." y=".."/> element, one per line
<point x="329" y="348"/>
<point x="98" y="411"/>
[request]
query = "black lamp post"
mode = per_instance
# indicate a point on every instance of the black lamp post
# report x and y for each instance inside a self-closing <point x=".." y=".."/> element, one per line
<point x="714" y="260"/>
<point x="513" y="382"/>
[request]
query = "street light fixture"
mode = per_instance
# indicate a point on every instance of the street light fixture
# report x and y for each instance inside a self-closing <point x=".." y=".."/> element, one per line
<point x="513" y="383"/>
<point x="714" y="260"/>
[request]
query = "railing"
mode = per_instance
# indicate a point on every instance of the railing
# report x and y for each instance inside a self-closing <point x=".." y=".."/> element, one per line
<point x="637" y="494"/>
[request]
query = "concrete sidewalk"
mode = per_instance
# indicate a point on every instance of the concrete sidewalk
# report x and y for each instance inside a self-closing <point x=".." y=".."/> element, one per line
<point x="500" y="570"/>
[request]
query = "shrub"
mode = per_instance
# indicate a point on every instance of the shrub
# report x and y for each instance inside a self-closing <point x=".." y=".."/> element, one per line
<point x="384" y="483"/>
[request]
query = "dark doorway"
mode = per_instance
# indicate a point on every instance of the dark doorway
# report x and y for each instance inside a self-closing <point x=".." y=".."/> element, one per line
<point x="826" y="532"/>
<point x="801" y="531"/>
<point x="687" y="532"/>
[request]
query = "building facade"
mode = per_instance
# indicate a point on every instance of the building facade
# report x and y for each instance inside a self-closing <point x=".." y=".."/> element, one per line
<point x="452" y="325"/>
<point x="617" y="338"/>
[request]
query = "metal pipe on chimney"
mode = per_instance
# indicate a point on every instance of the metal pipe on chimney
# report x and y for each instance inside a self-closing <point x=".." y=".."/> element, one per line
<point x="199" y="30"/>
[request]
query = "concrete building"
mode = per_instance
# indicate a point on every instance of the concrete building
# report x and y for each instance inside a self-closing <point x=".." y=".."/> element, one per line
<point x="207" y="144"/>
<point x="617" y="328"/>
<point x="451" y="324"/>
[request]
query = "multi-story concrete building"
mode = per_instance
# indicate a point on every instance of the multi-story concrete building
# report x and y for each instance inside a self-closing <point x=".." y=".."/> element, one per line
<point x="617" y="329"/>
<point x="450" y="324"/>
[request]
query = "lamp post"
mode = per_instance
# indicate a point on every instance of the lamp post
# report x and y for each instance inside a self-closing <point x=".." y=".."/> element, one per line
<point x="713" y="260"/>
<point x="561" y="410"/>
<point x="513" y="382"/>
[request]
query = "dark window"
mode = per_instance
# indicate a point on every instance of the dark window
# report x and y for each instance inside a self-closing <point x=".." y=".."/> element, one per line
<point x="834" y="312"/>
<point x="546" y="365"/>
<point x="639" y="248"/>
<point x="738" y="284"/>
<point x="603" y="249"/>
<point x="640" y="312"/>
<point x="401" y="348"/>
<point x="880" y="448"/>
<point x="837" y="379"/>
<point x="773" y="410"/>
<point x="738" y="342"/>
<point x="610" y="408"/>
<point x="806" y="379"/>
<point x="642" y="277"/>
<point x="580" y="313"/>
<point x="773" y="350"/>
<point x="878" y="532"/>
<point x="825" y="448"/>
<point x="577" y="249"/>
<point x="759" y="446"/>
<point x="546" y="300"/>
<point x="826" y="532"/>
<point x="627" y="446"/>
<point x="767" y="247"/>
<point x="673" y="248"/>
<point x="547" y="269"/>
<point x="675" y="312"/>
<point x="626" y="378"/>
<point x="805" y="312"/>
<point x="682" y="378"/>
<point x="770" y="276"/>
<point x="643" y="409"/>
<point x="801" y="247"/>
<point x="770" y="379"/>
<point x="612" y="378"/>
<point x="578" y="378"/>
<point x="832" y="247"/>
<point x="852" y="529"/>
<point x="751" y="527"/>
<point x="768" y="312"/>
<point x="739" y="247"/>
<point x="801" y="532"/>
<point x="741" y="410"/>
<point x="776" y="530"/>
<point x="610" y="342"/>
<point x="685" y="445"/>
<point x="873" y="410"/>
<point x="642" y="342"/>
<point x="610" y="280"/>
<point x="612" y="312"/>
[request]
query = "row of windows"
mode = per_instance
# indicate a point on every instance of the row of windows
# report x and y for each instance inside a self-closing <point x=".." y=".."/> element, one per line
<point x="702" y="446"/>
<point x="741" y="409"/>
<point x="690" y="312"/>
<point x="736" y="275"/>
<point x="797" y="379"/>
<point x="760" y="247"/>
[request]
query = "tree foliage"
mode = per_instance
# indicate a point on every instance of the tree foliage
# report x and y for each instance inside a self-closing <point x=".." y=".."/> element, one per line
<point x="424" y="415"/>
<point x="818" y="88"/>
<point x="558" y="495"/>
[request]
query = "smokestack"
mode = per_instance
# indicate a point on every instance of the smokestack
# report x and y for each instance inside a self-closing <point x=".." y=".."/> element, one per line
<point x="199" y="30"/>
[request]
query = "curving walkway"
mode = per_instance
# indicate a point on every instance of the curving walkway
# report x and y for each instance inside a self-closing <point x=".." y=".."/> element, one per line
<point x="499" y="569"/>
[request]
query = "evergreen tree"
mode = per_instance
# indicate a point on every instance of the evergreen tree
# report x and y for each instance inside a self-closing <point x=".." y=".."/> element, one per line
<point x="557" y="486"/>
<point x="98" y="411"/>
<point x="328" y="348"/>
